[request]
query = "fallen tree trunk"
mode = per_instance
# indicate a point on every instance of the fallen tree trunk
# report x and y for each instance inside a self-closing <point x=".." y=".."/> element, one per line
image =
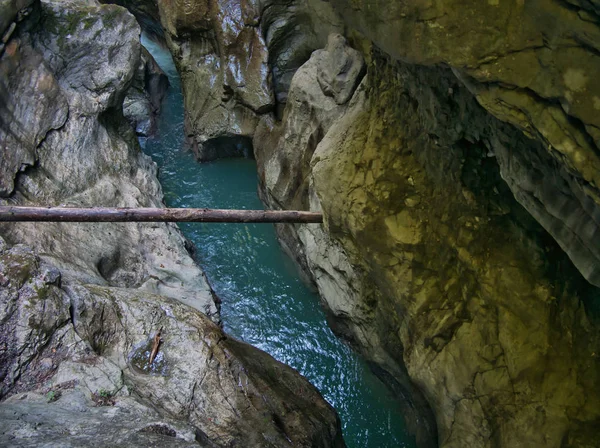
<point x="106" y="214"/>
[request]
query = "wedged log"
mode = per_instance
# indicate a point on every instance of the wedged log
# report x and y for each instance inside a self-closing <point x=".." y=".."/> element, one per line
<point x="106" y="214"/>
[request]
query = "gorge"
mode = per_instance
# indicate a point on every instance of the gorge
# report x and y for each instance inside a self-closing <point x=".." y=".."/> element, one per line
<point x="264" y="302"/>
<point x="451" y="146"/>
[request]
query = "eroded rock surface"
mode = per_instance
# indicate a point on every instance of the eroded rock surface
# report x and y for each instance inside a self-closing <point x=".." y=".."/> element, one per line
<point x="222" y="59"/>
<point x="76" y="368"/>
<point x="428" y="263"/>
<point x="79" y="321"/>
<point x="236" y="60"/>
<point x="143" y="101"/>
<point x="147" y="15"/>
<point x="81" y="152"/>
<point x="531" y="64"/>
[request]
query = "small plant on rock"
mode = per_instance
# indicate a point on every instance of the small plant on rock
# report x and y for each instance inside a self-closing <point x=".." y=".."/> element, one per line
<point x="104" y="398"/>
<point x="53" y="395"/>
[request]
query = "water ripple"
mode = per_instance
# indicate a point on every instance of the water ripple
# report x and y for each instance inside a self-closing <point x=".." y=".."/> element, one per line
<point x="264" y="302"/>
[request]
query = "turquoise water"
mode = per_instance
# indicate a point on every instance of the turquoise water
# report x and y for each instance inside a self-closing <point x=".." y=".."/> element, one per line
<point x="264" y="301"/>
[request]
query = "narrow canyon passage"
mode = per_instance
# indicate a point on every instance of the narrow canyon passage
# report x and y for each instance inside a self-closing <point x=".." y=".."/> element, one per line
<point x="264" y="301"/>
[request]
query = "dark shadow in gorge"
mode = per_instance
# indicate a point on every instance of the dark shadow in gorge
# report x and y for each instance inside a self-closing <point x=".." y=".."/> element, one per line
<point x="226" y="147"/>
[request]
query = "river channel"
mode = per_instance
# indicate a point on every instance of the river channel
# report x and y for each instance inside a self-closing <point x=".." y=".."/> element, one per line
<point x="264" y="302"/>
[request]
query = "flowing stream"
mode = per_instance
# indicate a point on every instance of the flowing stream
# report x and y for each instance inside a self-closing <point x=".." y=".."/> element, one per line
<point x="264" y="301"/>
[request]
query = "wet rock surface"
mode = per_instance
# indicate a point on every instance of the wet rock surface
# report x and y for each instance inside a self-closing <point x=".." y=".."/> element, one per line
<point x="24" y="124"/>
<point x="222" y="59"/>
<point x="236" y="60"/>
<point x="428" y="264"/>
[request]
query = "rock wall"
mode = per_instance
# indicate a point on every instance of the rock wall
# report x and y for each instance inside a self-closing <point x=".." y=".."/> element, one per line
<point x="74" y="148"/>
<point x="147" y="15"/>
<point x="427" y="263"/>
<point x="235" y="60"/>
<point x="82" y="303"/>
<point x="142" y="103"/>
<point x="76" y="370"/>
<point x="531" y="64"/>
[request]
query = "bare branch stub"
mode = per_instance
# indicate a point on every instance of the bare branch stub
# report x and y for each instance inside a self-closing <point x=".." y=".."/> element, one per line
<point x="155" y="345"/>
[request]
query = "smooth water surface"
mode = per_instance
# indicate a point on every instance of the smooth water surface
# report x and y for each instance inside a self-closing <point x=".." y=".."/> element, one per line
<point x="264" y="301"/>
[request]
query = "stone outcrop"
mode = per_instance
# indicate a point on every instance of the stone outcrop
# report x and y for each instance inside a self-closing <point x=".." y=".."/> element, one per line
<point x="222" y="60"/>
<point x="236" y="60"/>
<point x="466" y="106"/>
<point x="147" y="15"/>
<point x="78" y="320"/>
<point x="428" y="264"/>
<point x="76" y="368"/>
<point x="143" y="100"/>
<point x="531" y="64"/>
<point x="78" y="151"/>
<point x="293" y="29"/>
<point x="24" y="124"/>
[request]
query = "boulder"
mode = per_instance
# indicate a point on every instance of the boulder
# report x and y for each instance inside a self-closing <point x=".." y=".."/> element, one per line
<point x="77" y="370"/>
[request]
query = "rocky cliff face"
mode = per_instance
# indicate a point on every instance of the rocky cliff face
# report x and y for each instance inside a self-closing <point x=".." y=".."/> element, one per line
<point x="236" y="60"/>
<point x="427" y="262"/>
<point x="531" y="64"/>
<point x="78" y="320"/>
<point x="73" y="148"/>
<point x="454" y="177"/>
<point x="76" y="370"/>
<point x="142" y="103"/>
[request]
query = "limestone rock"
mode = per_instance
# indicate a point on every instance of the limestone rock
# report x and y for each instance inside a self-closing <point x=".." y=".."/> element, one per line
<point x="144" y="97"/>
<point x="92" y="157"/>
<point x="428" y="263"/>
<point x="340" y="72"/>
<point x="13" y="11"/>
<point x="232" y="56"/>
<point x="25" y="124"/>
<point x="283" y="164"/>
<point x="71" y="348"/>
<point x="222" y="59"/>
<point x="147" y="15"/>
<point x="293" y="29"/>
<point x="283" y="150"/>
<point x="284" y="155"/>
<point x="530" y="64"/>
